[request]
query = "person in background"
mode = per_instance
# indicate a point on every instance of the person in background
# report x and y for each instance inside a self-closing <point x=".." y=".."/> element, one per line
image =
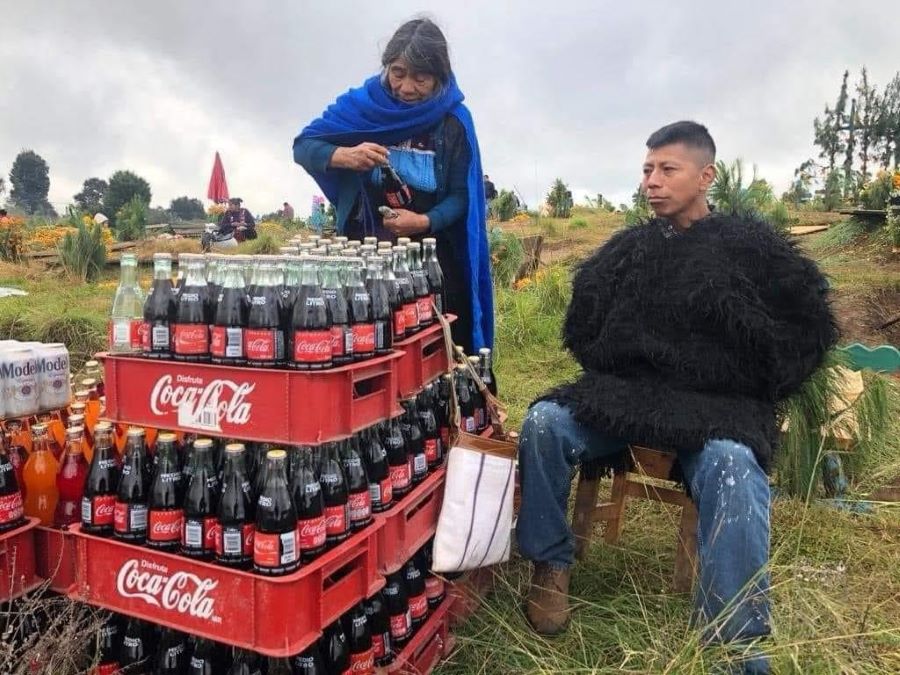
<point x="490" y="191"/>
<point x="691" y="329"/>
<point x="237" y="221"/>
<point x="317" y="217"/>
<point x="411" y="116"/>
<point x="287" y="212"/>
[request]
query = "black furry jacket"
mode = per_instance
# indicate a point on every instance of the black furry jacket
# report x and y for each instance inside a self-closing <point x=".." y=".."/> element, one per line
<point x="693" y="335"/>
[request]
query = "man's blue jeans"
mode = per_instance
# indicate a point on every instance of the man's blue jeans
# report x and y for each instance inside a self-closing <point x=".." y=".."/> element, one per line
<point x="728" y="486"/>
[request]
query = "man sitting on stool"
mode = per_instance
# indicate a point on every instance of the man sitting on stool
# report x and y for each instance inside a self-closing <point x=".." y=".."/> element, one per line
<point x="690" y="328"/>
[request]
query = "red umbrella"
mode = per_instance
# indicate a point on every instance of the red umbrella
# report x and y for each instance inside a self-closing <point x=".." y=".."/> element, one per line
<point x="218" y="186"/>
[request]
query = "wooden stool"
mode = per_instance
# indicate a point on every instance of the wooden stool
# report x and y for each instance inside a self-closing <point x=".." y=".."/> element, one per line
<point x="643" y="464"/>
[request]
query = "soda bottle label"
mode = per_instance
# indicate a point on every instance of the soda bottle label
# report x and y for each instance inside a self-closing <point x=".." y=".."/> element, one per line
<point x="418" y="606"/>
<point x="400" y="625"/>
<point x="411" y="311"/>
<point x="107" y="669"/>
<point x="311" y="533"/>
<point x="382" y="492"/>
<point x="191" y="338"/>
<point x="273" y="550"/>
<point x="469" y="424"/>
<point x="261" y="344"/>
<point x="125" y="333"/>
<point x="363" y="662"/>
<point x="227" y="342"/>
<point x="234" y="541"/>
<point x="431" y="450"/>
<point x="381" y="333"/>
<point x="312" y="346"/>
<point x="424" y="309"/>
<point x="380" y="644"/>
<point x="363" y="335"/>
<point x="199" y="534"/>
<point x="98" y="510"/>
<point x="360" y="504"/>
<point x="11" y="508"/>
<point x="130" y="518"/>
<point x="399" y="323"/>
<point x="434" y="587"/>
<point x="420" y="465"/>
<point x="157" y="338"/>
<point x="479" y="418"/>
<point x="401" y="476"/>
<point x="165" y="525"/>
<point x="337" y="519"/>
<point x="445" y="436"/>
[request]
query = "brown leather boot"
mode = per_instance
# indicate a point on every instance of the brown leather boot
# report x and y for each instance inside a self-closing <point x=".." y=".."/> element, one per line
<point x="547" y="608"/>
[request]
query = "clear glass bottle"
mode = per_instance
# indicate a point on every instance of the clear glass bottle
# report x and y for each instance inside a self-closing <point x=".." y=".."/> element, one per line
<point x="127" y="316"/>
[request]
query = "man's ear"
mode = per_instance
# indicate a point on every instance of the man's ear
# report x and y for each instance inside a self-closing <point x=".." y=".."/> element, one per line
<point x="707" y="176"/>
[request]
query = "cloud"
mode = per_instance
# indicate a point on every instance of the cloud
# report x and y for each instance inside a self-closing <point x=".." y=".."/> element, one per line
<point x="568" y="89"/>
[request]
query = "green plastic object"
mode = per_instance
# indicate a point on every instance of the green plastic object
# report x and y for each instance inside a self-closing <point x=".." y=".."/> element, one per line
<point x="883" y="359"/>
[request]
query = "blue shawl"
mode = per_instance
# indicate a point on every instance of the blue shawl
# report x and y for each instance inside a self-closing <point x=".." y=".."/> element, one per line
<point x="370" y="113"/>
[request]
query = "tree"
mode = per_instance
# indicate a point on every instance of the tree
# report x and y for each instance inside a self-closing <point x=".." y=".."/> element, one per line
<point x="849" y="177"/>
<point x="559" y="199"/>
<point x="90" y="199"/>
<point x="123" y="186"/>
<point x="832" y="194"/>
<point x="867" y="112"/>
<point x="131" y="219"/>
<point x="887" y="124"/>
<point x="188" y="208"/>
<point x="2" y="186"/>
<point x="30" y="180"/>
<point x="801" y="187"/>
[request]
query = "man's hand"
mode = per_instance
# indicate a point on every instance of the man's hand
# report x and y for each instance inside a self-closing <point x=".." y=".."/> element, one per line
<point x="407" y="223"/>
<point x="362" y="157"/>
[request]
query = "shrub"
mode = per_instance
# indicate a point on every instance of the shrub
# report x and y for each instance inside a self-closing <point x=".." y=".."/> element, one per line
<point x="876" y="193"/>
<point x="832" y="195"/>
<point x="507" y="255"/>
<point x="12" y="238"/>
<point x="578" y="223"/>
<point x="504" y="206"/>
<point x="131" y="220"/>
<point x="559" y="199"/>
<point x="267" y="243"/>
<point x="83" y="253"/>
<point x="730" y="195"/>
<point x="779" y="216"/>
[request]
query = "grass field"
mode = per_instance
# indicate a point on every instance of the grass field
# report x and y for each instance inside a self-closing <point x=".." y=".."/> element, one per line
<point x="836" y="575"/>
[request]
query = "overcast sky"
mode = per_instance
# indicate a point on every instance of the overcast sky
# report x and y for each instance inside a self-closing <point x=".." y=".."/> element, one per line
<point x="568" y="89"/>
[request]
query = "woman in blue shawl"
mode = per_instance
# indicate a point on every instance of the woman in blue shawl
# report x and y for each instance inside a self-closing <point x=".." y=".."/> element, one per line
<point x="411" y="116"/>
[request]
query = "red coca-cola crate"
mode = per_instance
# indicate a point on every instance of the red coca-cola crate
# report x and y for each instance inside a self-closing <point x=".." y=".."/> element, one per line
<point x="433" y="642"/>
<point x="277" y="406"/>
<point x="276" y="616"/>
<point x="55" y="557"/>
<point x="17" y="561"/>
<point x="424" y="359"/>
<point x="410" y="523"/>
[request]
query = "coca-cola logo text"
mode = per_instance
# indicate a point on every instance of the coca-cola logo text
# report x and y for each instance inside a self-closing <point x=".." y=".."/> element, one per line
<point x="183" y="592"/>
<point x="164" y="530"/>
<point x="226" y="398"/>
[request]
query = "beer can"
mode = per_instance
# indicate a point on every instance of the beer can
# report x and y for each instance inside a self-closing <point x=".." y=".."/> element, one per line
<point x="53" y="376"/>
<point x="19" y="381"/>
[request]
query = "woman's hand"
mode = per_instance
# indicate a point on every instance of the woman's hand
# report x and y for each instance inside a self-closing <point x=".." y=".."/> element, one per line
<point x="362" y="157"/>
<point x="407" y="223"/>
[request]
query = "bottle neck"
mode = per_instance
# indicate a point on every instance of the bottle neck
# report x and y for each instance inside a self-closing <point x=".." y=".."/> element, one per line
<point x="330" y="275"/>
<point x="194" y="276"/>
<point x="129" y="274"/>
<point x="429" y="252"/>
<point x="162" y="270"/>
<point x="234" y="276"/>
<point x="415" y="262"/>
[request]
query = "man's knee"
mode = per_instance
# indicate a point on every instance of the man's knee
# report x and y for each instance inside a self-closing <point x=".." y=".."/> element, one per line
<point x="542" y="418"/>
<point x="731" y="464"/>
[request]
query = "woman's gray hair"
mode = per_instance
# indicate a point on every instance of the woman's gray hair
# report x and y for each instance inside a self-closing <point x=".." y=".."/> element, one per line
<point x="423" y="46"/>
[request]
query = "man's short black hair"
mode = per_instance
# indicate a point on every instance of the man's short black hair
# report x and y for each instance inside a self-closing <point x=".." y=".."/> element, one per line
<point x="691" y="134"/>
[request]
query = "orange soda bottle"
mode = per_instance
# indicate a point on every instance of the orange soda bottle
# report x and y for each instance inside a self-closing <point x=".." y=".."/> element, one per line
<point x="39" y="476"/>
<point x="19" y="432"/>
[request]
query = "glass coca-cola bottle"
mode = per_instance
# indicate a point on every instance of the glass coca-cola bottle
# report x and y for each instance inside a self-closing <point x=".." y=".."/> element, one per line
<point x="227" y="335"/>
<point x="172" y="654"/>
<point x="415" y="588"/>
<point x="396" y="192"/>
<point x="237" y="512"/>
<point x="263" y="337"/>
<point x="399" y="463"/>
<point x="434" y="273"/>
<point x="397" y="602"/>
<point x="135" y="656"/>
<point x="434" y="455"/>
<point x="362" y="323"/>
<point x="358" y="496"/>
<point x="311" y="323"/>
<point x="12" y="509"/>
<point x="407" y="291"/>
<point x="18" y="456"/>
<point x="336" y="496"/>
<point x="70" y="480"/>
<point x="246" y="663"/>
<point x="310" y="503"/>
<point x="275" y="541"/>
<point x="420" y="284"/>
<point x="165" y="515"/>
<point x="467" y="419"/>
<point x="380" y="629"/>
<point x="159" y="310"/>
<point x="208" y="658"/>
<point x="415" y="440"/>
<point x="130" y="518"/>
<point x="309" y="662"/>
<point x="190" y="332"/>
<point x="289" y="293"/>
<point x="106" y="647"/>
<point x="435" y="589"/>
<point x="126" y="322"/>
<point x="381" y="493"/>
<point x="336" y="649"/>
<point x="341" y="330"/>
<point x="398" y="312"/>
<point x="445" y="417"/>
<point x="201" y="504"/>
<point x="482" y="418"/>
<point x="99" y="499"/>
<point x="380" y="295"/>
<point x="359" y="640"/>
